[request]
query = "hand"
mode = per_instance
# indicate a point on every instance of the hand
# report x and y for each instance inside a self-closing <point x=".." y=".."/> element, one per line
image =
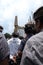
<point x="14" y="59"/>
<point x="19" y="53"/>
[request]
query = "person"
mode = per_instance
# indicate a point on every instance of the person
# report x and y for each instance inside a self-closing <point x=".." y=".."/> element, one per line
<point x="33" y="51"/>
<point x="29" y="32"/>
<point x="14" y="43"/>
<point x="4" y="49"/>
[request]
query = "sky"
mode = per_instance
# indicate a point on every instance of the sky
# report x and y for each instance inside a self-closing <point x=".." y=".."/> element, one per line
<point x="21" y="8"/>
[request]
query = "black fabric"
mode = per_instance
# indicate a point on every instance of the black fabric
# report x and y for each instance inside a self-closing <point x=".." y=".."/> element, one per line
<point x="11" y="62"/>
<point x="23" y="42"/>
<point x="38" y="13"/>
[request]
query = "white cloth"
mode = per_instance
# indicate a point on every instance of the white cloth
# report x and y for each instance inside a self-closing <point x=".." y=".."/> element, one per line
<point x="34" y="49"/>
<point x="13" y="45"/>
<point x="4" y="50"/>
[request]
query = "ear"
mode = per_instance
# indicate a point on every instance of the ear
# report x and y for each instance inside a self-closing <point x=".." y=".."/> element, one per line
<point x="38" y="23"/>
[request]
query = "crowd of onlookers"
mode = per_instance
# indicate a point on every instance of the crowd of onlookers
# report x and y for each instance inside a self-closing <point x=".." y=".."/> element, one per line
<point x="24" y="51"/>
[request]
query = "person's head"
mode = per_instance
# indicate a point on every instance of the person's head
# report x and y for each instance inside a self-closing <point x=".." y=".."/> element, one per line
<point x="21" y="37"/>
<point x="15" y="34"/>
<point x="1" y="28"/>
<point x="38" y="17"/>
<point x="28" y="29"/>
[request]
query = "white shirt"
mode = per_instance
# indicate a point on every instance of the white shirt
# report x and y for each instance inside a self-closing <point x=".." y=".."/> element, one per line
<point x="13" y="45"/>
<point x="34" y="49"/>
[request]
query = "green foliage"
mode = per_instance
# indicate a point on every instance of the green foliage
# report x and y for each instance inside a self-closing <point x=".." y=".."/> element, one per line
<point x="7" y="35"/>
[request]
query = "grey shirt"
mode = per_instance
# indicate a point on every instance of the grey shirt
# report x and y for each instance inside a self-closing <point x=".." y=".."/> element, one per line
<point x="4" y="50"/>
<point x="33" y="50"/>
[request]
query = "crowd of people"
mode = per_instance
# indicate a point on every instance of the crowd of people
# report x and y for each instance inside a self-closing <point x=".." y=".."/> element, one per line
<point x="25" y="51"/>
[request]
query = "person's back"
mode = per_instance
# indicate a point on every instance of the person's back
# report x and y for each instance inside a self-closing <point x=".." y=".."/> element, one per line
<point x="33" y="51"/>
<point x="35" y="47"/>
<point x="4" y="50"/>
<point x="13" y="43"/>
<point x="29" y="32"/>
<point x="23" y="42"/>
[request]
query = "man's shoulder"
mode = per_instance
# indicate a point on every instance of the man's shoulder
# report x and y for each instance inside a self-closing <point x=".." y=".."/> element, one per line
<point x="18" y="39"/>
<point x="36" y="36"/>
<point x="10" y="39"/>
<point x="4" y="50"/>
<point x="1" y="35"/>
<point x="23" y="40"/>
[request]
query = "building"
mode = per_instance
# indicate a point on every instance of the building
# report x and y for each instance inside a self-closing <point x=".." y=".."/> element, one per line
<point x="18" y="28"/>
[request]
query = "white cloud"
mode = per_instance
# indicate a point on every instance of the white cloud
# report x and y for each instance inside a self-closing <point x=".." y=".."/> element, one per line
<point x="8" y="7"/>
<point x="22" y="8"/>
<point x="10" y="27"/>
<point x="37" y="4"/>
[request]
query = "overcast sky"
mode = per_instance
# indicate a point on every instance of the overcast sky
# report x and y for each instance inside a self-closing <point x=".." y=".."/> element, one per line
<point x="22" y="8"/>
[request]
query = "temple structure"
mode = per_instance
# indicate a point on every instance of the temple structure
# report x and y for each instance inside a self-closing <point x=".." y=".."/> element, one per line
<point x="18" y="28"/>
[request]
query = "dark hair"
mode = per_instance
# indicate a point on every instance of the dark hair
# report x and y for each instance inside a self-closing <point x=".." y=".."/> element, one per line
<point x="28" y="29"/>
<point x="21" y="37"/>
<point x="1" y="27"/>
<point x="39" y="14"/>
<point x="15" y="34"/>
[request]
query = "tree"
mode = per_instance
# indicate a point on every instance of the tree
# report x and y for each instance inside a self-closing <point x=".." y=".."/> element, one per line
<point x="7" y="35"/>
